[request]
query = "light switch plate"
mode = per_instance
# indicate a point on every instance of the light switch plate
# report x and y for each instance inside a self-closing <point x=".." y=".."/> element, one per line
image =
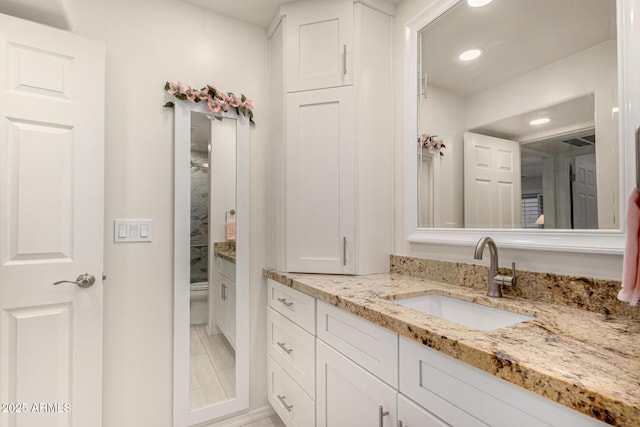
<point x="132" y="230"/>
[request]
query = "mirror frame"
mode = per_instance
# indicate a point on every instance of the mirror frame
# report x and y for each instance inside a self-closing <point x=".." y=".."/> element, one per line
<point x="182" y="415"/>
<point x="585" y="241"/>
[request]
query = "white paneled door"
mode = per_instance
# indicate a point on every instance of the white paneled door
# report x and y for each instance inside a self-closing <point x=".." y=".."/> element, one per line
<point x="492" y="182"/>
<point x="51" y="226"/>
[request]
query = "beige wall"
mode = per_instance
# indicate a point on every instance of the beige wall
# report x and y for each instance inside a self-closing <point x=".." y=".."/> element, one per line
<point x="147" y="43"/>
<point x="603" y="266"/>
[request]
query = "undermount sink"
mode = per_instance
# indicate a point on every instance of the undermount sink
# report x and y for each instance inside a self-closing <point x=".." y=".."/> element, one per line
<point x="463" y="312"/>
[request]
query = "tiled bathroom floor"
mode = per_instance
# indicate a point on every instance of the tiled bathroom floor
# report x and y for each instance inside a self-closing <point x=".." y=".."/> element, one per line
<point x="212" y="368"/>
<point x="272" y="421"/>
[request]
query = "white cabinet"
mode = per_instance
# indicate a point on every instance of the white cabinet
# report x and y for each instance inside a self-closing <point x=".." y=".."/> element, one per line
<point x="319" y="44"/>
<point x="369" y="345"/>
<point x="225" y="300"/>
<point x="294" y="407"/>
<point x="348" y="395"/>
<point x="330" y="148"/>
<point x="291" y="360"/>
<point x="320" y="181"/>
<point x="460" y="394"/>
<point x="412" y="415"/>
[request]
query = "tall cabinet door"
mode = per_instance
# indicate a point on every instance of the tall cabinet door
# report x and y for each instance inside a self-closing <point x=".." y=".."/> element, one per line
<point x="319" y="45"/>
<point x="320" y="181"/>
<point x="347" y="395"/>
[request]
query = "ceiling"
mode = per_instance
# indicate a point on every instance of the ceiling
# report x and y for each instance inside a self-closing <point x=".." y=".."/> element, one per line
<point x="517" y="36"/>
<point x="256" y="12"/>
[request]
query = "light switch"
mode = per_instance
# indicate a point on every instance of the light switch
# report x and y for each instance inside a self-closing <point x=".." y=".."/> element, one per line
<point x="132" y="230"/>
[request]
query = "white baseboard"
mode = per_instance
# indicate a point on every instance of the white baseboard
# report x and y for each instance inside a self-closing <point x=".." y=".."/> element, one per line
<point x="244" y="418"/>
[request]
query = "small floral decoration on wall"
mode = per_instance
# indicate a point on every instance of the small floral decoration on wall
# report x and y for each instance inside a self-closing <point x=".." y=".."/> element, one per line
<point x="431" y="142"/>
<point x="216" y="100"/>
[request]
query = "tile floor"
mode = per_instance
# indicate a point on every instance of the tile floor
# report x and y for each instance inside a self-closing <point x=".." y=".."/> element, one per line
<point x="212" y="368"/>
<point x="272" y="421"/>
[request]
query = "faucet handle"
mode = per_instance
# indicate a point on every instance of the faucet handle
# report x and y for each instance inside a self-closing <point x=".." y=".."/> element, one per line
<point x="503" y="280"/>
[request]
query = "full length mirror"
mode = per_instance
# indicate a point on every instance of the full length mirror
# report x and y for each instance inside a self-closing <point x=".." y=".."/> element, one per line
<point x="518" y="116"/>
<point x="212" y="274"/>
<point x="211" y="256"/>
<point x="518" y="122"/>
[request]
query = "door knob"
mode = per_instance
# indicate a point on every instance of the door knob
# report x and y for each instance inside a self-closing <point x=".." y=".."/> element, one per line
<point x="84" y="280"/>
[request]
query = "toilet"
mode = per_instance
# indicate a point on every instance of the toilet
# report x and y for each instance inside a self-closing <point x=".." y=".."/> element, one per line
<point x="199" y="295"/>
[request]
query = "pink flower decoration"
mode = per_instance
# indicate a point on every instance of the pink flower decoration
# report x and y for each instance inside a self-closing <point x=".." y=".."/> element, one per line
<point x="234" y="101"/>
<point x="248" y="104"/>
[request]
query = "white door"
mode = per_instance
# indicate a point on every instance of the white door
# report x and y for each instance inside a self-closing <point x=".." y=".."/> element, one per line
<point x="492" y="185"/>
<point x="51" y="226"/>
<point x="319" y="45"/>
<point x="320" y="182"/>
<point x="585" y="197"/>
<point x="347" y="395"/>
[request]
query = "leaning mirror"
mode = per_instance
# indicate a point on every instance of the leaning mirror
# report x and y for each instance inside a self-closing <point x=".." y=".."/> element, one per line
<point x="513" y="123"/>
<point x="211" y="264"/>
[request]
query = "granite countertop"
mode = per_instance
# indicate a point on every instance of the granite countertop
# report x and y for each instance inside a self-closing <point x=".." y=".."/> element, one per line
<point x="584" y="360"/>
<point x="225" y="250"/>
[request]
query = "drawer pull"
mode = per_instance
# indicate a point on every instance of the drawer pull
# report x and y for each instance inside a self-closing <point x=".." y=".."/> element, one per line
<point x="381" y="414"/>
<point x="285" y="302"/>
<point x="284" y="403"/>
<point x="282" y="346"/>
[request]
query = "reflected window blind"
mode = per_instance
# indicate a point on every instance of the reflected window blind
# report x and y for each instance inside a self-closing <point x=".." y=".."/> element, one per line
<point x="531" y="209"/>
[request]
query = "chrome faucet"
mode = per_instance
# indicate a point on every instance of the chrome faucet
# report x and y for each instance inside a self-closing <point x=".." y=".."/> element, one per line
<point x="495" y="279"/>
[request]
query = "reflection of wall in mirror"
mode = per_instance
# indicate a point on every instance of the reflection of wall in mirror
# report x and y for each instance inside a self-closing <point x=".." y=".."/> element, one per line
<point x="223" y="175"/>
<point x="590" y="71"/>
<point x="442" y="113"/>
<point x="593" y="70"/>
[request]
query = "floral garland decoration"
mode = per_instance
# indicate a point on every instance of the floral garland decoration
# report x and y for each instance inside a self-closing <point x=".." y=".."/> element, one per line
<point x="216" y="100"/>
<point x="431" y="142"/>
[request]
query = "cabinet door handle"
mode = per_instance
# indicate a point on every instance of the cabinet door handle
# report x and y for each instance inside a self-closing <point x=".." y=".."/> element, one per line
<point x="381" y="414"/>
<point x="284" y="347"/>
<point x="284" y="403"/>
<point x="344" y="59"/>
<point x="285" y="302"/>
<point x="224" y="287"/>
<point x="344" y="251"/>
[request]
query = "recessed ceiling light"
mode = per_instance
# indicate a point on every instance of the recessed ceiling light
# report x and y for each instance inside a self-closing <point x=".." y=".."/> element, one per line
<point x="470" y="55"/>
<point x="541" y="121"/>
<point x="478" y="3"/>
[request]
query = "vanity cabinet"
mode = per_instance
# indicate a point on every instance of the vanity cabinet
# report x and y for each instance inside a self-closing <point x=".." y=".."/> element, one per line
<point x="412" y="415"/>
<point x="330" y="139"/>
<point x="348" y="395"/>
<point x="291" y="360"/>
<point x="225" y="299"/>
<point x="460" y="394"/>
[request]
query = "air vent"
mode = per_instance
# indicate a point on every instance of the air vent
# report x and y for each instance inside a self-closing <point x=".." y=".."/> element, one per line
<point x="581" y="142"/>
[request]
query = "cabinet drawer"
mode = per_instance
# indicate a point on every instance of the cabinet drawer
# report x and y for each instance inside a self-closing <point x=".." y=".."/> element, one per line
<point x="226" y="268"/>
<point x="294" y="407"/>
<point x="369" y="345"/>
<point x="294" y="350"/>
<point x="294" y="305"/>
<point x="463" y="395"/>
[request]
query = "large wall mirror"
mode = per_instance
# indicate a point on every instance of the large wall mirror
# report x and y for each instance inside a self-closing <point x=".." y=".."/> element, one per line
<point x="515" y="125"/>
<point x="211" y="264"/>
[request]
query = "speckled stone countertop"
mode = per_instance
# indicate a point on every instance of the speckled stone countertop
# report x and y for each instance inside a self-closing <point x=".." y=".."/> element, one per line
<point x="586" y="361"/>
<point x="225" y="250"/>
